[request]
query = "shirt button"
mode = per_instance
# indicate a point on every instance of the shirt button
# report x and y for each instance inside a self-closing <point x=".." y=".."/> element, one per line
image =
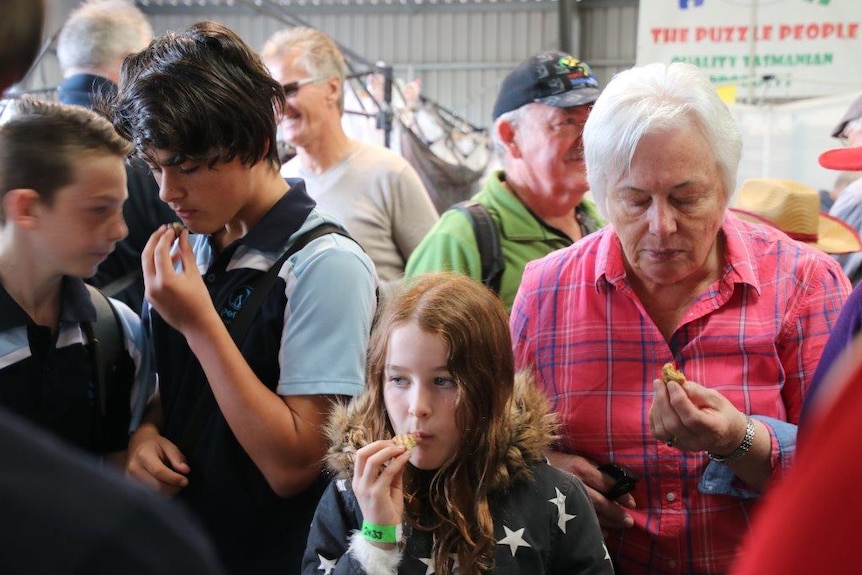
<point x="671" y="497"/>
<point x="671" y="564"/>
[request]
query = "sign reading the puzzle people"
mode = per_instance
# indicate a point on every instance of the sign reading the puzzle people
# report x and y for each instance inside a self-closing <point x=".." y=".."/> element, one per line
<point x="763" y="48"/>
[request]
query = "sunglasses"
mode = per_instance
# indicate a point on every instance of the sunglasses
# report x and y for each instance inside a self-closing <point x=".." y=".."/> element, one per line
<point x="291" y="88"/>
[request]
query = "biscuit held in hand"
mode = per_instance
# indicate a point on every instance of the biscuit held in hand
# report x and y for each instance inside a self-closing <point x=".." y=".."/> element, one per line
<point x="405" y="440"/>
<point x="670" y="373"/>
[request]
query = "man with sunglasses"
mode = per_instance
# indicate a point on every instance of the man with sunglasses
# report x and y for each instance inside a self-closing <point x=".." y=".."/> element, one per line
<point x="372" y="190"/>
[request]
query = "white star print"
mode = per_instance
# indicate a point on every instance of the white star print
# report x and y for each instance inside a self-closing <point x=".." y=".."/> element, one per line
<point x="429" y="565"/>
<point x="607" y="556"/>
<point x="562" y="517"/>
<point x="559" y="500"/>
<point x="326" y="565"/>
<point x="513" y="539"/>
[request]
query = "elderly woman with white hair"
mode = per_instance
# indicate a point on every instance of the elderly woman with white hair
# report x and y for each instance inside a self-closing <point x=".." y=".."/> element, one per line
<point x="742" y="310"/>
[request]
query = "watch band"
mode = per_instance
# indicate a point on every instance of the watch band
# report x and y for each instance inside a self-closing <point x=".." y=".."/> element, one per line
<point x="743" y="448"/>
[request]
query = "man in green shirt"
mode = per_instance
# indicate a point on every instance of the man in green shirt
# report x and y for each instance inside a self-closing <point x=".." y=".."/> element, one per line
<point x="537" y="201"/>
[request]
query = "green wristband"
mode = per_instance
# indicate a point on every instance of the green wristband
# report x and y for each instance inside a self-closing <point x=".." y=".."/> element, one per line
<point x="381" y="533"/>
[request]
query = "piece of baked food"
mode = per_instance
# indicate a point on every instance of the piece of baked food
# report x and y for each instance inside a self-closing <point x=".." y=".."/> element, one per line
<point x="670" y="373"/>
<point x="405" y="440"/>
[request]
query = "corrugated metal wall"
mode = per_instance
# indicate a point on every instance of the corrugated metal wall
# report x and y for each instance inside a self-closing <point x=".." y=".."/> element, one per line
<point x="460" y="52"/>
<point x="609" y="37"/>
<point x="461" y="49"/>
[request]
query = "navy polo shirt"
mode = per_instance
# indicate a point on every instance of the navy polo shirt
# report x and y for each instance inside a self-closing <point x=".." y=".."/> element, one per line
<point x="49" y="379"/>
<point x="323" y="302"/>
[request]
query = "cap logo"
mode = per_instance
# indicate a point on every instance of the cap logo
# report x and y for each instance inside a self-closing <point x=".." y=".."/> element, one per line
<point x="568" y="63"/>
<point x="579" y="73"/>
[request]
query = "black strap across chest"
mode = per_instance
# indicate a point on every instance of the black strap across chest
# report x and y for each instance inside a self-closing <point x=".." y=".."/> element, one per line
<point x="106" y="346"/>
<point x="206" y="403"/>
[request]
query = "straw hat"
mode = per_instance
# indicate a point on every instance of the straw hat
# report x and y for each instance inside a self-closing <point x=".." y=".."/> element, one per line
<point x="794" y="208"/>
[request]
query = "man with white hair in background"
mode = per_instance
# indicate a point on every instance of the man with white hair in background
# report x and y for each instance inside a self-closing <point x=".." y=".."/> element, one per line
<point x="95" y="39"/>
<point x="375" y="192"/>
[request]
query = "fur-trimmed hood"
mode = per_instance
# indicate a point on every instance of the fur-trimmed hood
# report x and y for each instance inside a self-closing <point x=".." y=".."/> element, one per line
<point x="531" y="431"/>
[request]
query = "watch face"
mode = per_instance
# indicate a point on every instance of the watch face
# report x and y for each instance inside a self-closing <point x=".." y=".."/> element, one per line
<point x="624" y="480"/>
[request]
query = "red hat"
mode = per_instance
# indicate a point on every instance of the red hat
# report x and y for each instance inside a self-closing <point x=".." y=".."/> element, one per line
<point x="844" y="159"/>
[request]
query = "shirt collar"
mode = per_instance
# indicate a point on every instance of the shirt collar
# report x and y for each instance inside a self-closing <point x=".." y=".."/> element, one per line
<point x="282" y="220"/>
<point x="517" y="221"/>
<point x="75" y="306"/>
<point x="79" y="88"/>
<point x="739" y="262"/>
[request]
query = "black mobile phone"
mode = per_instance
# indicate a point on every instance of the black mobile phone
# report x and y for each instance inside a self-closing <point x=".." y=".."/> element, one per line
<point x="624" y="480"/>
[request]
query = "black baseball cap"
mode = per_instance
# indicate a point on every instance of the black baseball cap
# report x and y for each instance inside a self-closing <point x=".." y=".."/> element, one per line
<point x="552" y="78"/>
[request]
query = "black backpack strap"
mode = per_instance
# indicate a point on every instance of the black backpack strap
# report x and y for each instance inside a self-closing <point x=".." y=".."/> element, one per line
<point x="206" y="403"/>
<point x="106" y="344"/>
<point x="488" y="240"/>
<point x="106" y="341"/>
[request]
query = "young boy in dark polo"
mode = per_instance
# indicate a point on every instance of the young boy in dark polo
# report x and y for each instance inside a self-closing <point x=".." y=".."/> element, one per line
<point x="200" y="108"/>
<point x="63" y="184"/>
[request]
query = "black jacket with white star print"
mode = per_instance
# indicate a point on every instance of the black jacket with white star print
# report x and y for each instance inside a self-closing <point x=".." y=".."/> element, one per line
<point x="544" y="523"/>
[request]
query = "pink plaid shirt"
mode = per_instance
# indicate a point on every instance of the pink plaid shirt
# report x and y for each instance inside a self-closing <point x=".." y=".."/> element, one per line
<point x="756" y="336"/>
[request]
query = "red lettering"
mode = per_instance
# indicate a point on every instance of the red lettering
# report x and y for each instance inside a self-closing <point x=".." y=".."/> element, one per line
<point x="815" y="31"/>
<point x="669" y="35"/>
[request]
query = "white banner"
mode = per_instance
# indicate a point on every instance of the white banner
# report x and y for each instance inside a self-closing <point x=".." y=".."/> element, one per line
<point x="766" y="48"/>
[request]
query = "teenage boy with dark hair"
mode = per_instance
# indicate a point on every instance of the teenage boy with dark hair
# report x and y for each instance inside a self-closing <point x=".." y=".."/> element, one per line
<point x="63" y="184"/>
<point x="201" y="109"/>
